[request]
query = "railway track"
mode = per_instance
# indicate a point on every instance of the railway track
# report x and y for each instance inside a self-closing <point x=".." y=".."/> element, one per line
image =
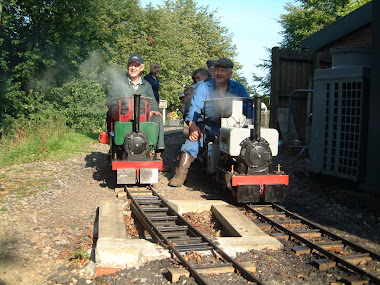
<point x="330" y="250"/>
<point x="198" y="254"/>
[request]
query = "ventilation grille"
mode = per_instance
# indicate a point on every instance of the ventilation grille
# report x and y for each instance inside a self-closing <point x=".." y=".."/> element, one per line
<point x="342" y="121"/>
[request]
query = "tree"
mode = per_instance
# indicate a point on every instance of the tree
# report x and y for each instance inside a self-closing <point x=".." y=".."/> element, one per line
<point x="183" y="37"/>
<point x="46" y="46"/>
<point x="311" y="16"/>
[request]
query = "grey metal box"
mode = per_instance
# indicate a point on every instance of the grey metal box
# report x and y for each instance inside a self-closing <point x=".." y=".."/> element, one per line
<point x="339" y="113"/>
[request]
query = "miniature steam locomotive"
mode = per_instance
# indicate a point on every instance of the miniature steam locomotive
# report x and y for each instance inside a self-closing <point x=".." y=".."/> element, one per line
<point x="241" y="156"/>
<point x="133" y="138"/>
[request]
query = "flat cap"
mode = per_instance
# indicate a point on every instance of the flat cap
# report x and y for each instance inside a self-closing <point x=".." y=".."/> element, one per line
<point x="224" y="62"/>
<point x="136" y="57"/>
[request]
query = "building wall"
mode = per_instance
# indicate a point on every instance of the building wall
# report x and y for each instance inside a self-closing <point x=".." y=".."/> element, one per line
<point x="373" y="152"/>
<point x="292" y="70"/>
<point x="360" y="37"/>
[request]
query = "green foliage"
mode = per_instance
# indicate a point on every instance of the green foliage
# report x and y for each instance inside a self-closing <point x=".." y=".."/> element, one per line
<point x="42" y="139"/>
<point x="311" y="16"/>
<point x="56" y="57"/>
<point x="302" y="21"/>
<point x="82" y="103"/>
<point x="78" y="256"/>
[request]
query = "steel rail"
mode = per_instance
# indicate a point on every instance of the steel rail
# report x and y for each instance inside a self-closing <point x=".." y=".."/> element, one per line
<point x="165" y="241"/>
<point x="314" y="246"/>
<point x="324" y="231"/>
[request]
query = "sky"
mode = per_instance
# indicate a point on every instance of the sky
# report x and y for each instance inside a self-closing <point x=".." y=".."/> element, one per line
<point x="253" y="25"/>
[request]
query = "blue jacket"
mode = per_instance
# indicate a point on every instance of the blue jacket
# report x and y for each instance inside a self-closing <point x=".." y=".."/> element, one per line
<point x="207" y="90"/>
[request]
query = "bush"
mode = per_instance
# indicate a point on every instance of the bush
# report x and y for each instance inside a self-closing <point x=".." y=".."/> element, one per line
<point x="41" y="138"/>
<point x="83" y="104"/>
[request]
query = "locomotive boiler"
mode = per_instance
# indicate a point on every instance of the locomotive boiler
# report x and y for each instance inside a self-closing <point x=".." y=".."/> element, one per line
<point x="241" y="158"/>
<point x="133" y="139"/>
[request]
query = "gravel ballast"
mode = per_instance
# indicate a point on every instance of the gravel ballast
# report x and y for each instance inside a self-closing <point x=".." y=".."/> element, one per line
<point x="42" y="234"/>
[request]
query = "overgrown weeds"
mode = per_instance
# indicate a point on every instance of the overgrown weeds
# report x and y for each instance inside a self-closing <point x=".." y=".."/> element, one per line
<point x="39" y="141"/>
<point x="45" y="143"/>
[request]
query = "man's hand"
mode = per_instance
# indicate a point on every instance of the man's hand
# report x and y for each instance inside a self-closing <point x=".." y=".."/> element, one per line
<point x="194" y="132"/>
<point x="154" y="113"/>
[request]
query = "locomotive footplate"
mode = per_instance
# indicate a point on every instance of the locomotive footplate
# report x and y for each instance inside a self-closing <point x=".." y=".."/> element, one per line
<point x="260" y="188"/>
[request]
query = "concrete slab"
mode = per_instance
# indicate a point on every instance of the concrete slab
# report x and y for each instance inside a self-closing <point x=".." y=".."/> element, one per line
<point x="234" y="245"/>
<point x="126" y="253"/>
<point x="111" y="220"/>
<point x="184" y="206"/>
<point x="234" y="221"/>
<point x="245" y="234"/>
<point x="114" y="249"/>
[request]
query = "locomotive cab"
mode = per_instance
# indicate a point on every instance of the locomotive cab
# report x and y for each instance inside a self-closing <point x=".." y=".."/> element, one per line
<point x="133" y="138"/>
<point x="241" y="157"/>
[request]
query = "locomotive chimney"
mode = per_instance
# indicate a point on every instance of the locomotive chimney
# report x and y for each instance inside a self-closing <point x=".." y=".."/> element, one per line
<point x="136" y="119"/>
<point x="257" y="122"/>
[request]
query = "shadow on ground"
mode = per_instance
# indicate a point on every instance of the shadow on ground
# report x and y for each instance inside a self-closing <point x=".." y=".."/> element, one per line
<point x="103" y="172"/>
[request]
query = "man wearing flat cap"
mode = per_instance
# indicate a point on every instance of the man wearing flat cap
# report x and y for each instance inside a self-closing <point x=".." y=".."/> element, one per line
<point x="218" y="87"/>
<point x="134" y="84"/>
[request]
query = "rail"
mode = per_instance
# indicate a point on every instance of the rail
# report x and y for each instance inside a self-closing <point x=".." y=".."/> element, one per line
<point x="171" y="230"/>
<point x="286" y="221"/>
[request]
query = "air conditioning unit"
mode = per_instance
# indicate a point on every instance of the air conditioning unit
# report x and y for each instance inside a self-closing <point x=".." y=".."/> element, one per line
<point x="339" y="115"/>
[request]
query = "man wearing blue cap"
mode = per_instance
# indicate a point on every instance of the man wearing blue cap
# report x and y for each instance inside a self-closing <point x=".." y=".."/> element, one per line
<point x="218" y="87"/>
<point x="134" y="84"/>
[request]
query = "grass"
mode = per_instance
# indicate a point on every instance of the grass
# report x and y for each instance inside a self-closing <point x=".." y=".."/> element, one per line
<point x="49" y="144"/>
<point x="46" y="144"/>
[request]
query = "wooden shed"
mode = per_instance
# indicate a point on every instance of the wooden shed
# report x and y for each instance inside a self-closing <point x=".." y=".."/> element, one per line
<point x="294" y="69"/>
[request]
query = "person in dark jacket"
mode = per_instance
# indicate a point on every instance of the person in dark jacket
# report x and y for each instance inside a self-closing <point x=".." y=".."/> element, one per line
<point x="134" y="84"/>
<point x="152" y="78"/>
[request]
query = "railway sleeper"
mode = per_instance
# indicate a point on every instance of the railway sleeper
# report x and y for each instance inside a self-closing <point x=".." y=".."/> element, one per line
<point x="355" y="280"/>
<point x="324" y="264"/>
<point x="156" y="214"/>
<point x="199" y="244"/>
<point x="357" y="259"/>
<point x="331" y="245"/>
<point x="149" y="197"/>
<point x="299" y="250"/>
<point x="260" y="207"/>
<point x="139" y="193"/>
<point x="309" y="233"/>
<point x="215" y="268"/>
<point x="195" y="248"/>
<point x="273" y="214"/>
<point x="148" y="202"/>
<point x="289" y="223"/>
<point x="177" y="234"/>
<point x="169" y="228"/>
<point x="164" y="223"/>
<point x="179" y="241"/>
<point x="154" y="209"/>
<point x="163" y="218"/>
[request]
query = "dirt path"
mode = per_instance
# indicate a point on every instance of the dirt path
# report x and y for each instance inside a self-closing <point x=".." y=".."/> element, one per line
<point x="39" y="233"/>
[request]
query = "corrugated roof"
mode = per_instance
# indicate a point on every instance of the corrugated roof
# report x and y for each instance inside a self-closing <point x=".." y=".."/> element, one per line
<point x="344" y="26"/>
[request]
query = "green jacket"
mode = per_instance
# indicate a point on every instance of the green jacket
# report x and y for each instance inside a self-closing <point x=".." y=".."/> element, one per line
<point x="124" y="89"/>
